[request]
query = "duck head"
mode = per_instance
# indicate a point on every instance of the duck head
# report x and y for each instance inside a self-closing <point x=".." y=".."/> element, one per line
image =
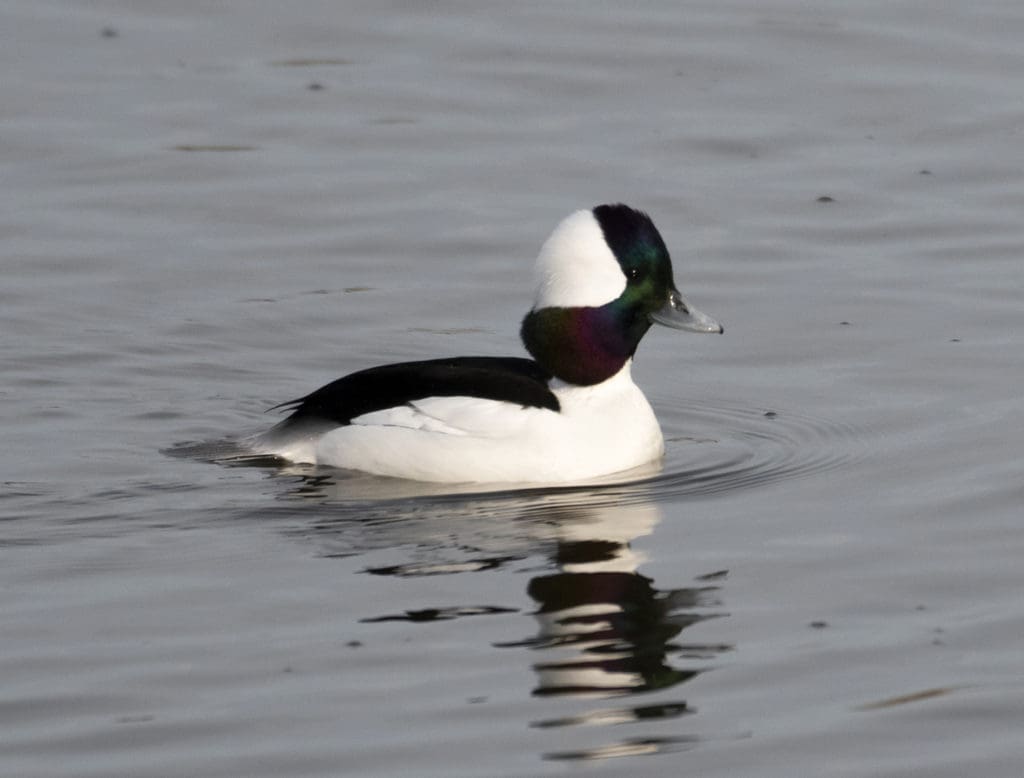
<point x="603" y="278"/>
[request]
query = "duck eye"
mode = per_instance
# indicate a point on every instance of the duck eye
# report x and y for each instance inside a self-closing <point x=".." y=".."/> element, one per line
<point x="635" y="274"/>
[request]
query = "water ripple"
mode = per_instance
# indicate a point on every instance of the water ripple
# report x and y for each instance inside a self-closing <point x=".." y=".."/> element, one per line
<point x="720" y="447"/>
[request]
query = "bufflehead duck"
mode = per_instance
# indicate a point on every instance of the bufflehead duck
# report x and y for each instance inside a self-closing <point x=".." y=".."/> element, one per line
<point x="569" y="414"/>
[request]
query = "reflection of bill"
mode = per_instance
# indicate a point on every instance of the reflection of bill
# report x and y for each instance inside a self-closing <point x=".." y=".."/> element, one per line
<point x="611" y="628"/>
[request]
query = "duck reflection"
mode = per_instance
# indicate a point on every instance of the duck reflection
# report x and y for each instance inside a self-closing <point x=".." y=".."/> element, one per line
<point x="604" y="629"/>
<point x="612" y="628"/>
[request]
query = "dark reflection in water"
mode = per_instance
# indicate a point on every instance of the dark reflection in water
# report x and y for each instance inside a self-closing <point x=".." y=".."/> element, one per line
<point x="605" y="630"/>
<point x="611" y="632"/>
<point x="441" y="614"/>
<point x="616" y="627"/>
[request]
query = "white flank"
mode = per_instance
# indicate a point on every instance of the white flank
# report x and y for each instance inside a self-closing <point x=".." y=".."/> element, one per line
<point x="600" y="430"/>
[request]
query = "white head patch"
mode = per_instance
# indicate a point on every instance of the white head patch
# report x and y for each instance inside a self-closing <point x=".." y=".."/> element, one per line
<point x="575" y="267"/>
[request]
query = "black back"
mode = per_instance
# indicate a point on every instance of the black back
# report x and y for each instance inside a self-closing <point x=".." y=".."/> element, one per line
<point x="507" y="379"/>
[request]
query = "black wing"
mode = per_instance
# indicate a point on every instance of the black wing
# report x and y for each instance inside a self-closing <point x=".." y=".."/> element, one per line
<point x="508" y="379"/>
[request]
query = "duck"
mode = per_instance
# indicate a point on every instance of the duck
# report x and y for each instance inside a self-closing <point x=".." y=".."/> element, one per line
<point x="568" y="413"/>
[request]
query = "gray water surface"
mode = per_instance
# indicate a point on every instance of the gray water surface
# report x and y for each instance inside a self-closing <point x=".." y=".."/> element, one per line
<point x="209" y="208"/>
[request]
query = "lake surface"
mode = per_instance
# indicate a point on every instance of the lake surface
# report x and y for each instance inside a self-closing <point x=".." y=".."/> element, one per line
<point x="210" y="208"/>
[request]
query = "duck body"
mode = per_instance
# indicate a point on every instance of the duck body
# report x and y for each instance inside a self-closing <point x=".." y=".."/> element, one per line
<point x="571" y="413"/>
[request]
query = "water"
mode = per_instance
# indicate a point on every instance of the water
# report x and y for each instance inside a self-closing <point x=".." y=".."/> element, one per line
<point x="211" y="208"/>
